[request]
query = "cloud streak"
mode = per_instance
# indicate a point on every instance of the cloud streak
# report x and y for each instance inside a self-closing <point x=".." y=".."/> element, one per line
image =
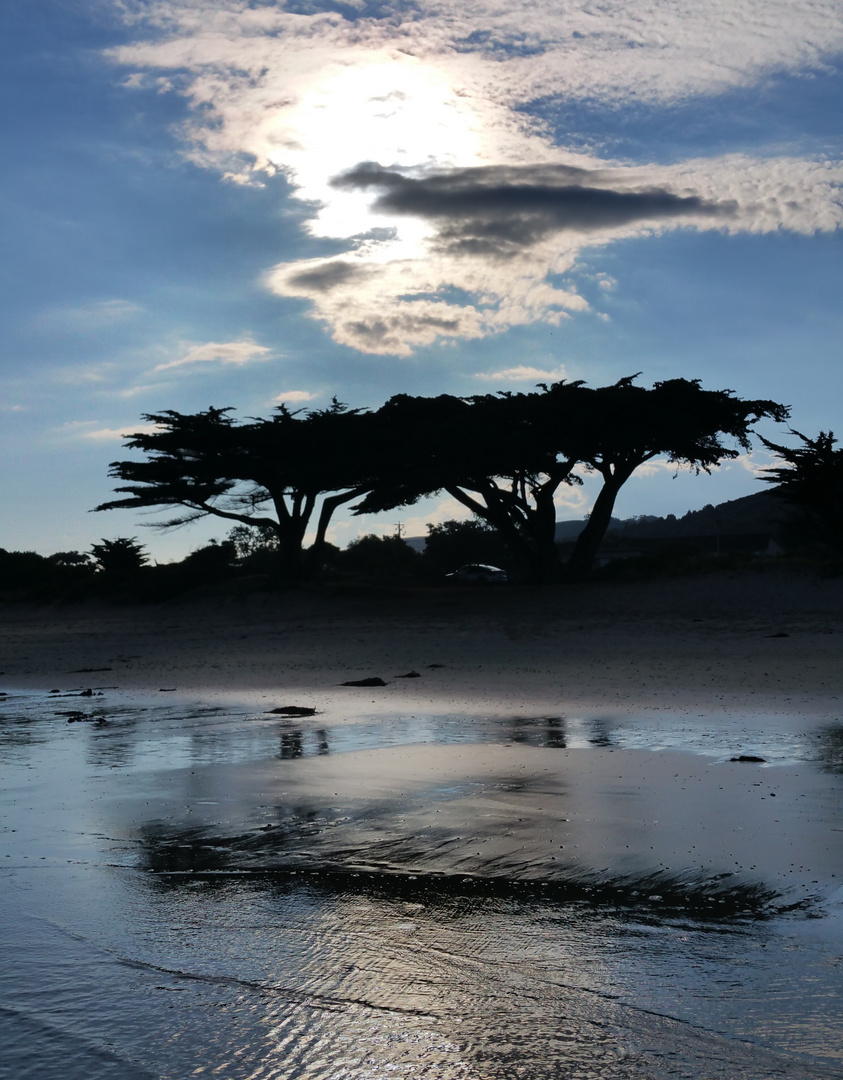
<point x="236" y="353"/>
<point x="523" y="373"/>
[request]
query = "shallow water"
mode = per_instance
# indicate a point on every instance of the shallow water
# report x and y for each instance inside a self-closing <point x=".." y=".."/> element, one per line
<point x="192" y="889"/>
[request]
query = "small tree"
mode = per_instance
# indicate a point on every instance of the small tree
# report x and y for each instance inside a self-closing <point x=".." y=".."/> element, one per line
<point x="121" y="556"/>
<point x="253" y="540"/>
<point x="380" y="558"/>
<point x="811" y="480"/>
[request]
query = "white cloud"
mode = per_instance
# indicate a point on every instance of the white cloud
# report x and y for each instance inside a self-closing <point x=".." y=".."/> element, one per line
<point x="89" y="429"/>
<point x="574" y="500"/>
<point x="293" y="396"/>
<point x="523" y="373"/>
<point x="449" y="87"/>
<point x="235" y="353"/>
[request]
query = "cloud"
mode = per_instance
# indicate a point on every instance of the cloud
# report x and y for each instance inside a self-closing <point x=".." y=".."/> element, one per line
<point x="485" y="248"/>
<point x="236" y="353"/>
<point x="322" y="277"/>
<point x="523" y="373"/>
<point x="87" y="429"/>
<point x="470" y="213"/>
<point x="293" y="396"/>
<point x="499" y="211"/>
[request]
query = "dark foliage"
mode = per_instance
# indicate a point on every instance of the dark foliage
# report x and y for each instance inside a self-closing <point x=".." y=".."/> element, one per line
<point x="271" y="474"/>
<point x="811" y="482"/>
<point x="452" y="544"/>
<point x="503" y="456"/>
<point x="375" y="559"/>
<point x="27" y="575"/>
<point x="124" y="556"/>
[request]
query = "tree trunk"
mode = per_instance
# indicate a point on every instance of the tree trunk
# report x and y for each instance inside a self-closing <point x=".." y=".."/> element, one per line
<point x="290" y="531"/>
<point x="542" y="524"/>
<point x="588" y="542"/>
<point x="313" y="556"/>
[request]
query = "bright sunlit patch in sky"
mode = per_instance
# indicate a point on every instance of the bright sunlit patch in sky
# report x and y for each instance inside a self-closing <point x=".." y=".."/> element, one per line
<point x="396" y="110"/>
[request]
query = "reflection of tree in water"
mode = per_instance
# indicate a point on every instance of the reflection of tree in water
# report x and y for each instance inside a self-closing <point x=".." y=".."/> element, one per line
<point x="179" y="848"/>
<point x="830" y="746"/>
<point x="112" y="743"/>
<point x="528" y="730"/>
<point x="292" y="744"/>
<point x="275" y="859"/>
<point x="601" y="732"/>
<point x="554" y="737"/>
<point x="17" y="735"/>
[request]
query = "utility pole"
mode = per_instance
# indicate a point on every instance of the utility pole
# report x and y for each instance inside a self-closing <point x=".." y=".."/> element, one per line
<point x="399" y="529"/>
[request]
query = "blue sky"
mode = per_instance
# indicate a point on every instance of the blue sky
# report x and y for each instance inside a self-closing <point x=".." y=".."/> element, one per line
<point x="186" y="220"/>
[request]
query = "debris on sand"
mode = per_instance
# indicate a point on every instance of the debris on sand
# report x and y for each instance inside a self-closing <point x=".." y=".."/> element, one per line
<point x="292" y="710"/>
<point x="364" y="682"/>
<point x="409" y="675"/>
<point x="75" y="717"/>
<point x="751" y="758"/>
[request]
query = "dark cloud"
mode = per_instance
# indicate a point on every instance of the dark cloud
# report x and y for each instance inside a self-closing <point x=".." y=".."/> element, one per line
<point x="328" y="276"/>
<point x="501" y="210"/>
<point x="396" y="326"/>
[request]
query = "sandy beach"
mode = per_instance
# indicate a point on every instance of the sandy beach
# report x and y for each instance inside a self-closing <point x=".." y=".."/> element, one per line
<point x="572" y="750"/>
<point x="765" y="640"/>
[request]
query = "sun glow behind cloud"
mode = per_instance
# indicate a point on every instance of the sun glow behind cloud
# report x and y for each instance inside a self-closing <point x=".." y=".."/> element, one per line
<point x="436" y="99"/>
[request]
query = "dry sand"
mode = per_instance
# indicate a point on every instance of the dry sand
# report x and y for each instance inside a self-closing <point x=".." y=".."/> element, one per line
<point x="768" y="641"/>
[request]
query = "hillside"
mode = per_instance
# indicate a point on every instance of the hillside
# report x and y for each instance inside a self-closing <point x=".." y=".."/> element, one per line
<point x="758" y="513"/>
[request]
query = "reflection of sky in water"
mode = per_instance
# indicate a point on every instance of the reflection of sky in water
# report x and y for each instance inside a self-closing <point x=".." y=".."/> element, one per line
<point x="148" y="736"/>
<point x="418" y="965"/>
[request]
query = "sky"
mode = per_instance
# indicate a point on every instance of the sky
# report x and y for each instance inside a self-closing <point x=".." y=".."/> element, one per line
<point x="218" y="202"/>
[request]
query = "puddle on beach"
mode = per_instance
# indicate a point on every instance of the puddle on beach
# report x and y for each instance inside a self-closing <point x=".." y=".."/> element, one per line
<point x="195" y="888"/>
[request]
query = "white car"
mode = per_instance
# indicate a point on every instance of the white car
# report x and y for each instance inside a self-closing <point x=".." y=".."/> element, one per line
<point x="478" y="574"/>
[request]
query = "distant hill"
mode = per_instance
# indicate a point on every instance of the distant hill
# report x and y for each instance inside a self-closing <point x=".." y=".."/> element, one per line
<point x="758" y="513"/>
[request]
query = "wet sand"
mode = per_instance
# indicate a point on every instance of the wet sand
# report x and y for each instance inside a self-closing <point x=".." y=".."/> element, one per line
<point x="568" y="751"/>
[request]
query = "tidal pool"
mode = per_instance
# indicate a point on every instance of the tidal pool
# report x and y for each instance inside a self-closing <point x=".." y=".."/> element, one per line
<point x="195" y="889"/>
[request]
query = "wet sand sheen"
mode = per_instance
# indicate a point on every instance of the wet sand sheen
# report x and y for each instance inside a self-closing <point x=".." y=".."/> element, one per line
<point x="494" y="870"/>
<point x="524" y="812"/>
